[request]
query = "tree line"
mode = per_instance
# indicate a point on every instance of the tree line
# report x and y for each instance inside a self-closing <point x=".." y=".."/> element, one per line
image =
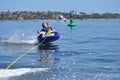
<point x="30" y="15"/>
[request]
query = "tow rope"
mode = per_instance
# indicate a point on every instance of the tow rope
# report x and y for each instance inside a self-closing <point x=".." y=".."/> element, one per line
<point x="21" y="56"/>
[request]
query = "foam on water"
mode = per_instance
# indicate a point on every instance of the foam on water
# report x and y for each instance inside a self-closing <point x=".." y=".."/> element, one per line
<point x="32" y="41"/>
<point x="22" y="38"/>
<point x="20" y="71"/>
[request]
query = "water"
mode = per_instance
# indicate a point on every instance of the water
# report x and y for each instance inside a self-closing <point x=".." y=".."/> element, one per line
<point x="89" y="51"/>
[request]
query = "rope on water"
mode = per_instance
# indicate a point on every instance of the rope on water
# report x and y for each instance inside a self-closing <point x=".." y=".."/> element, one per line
<point x="21" y="56"/>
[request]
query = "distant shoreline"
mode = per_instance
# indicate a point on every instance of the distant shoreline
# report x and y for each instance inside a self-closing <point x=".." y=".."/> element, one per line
<point x="62" y="21"/>
<point x="29" y="15"/>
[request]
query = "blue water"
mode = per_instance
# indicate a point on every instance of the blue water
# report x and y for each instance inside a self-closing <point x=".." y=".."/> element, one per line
<point x="89" y="51"/>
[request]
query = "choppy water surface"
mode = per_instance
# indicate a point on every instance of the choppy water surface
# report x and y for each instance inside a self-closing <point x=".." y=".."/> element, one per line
<point x="89" y="51"/>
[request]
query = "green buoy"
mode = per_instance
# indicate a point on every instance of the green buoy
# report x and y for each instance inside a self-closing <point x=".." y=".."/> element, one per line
<point x="71" y="24"/>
